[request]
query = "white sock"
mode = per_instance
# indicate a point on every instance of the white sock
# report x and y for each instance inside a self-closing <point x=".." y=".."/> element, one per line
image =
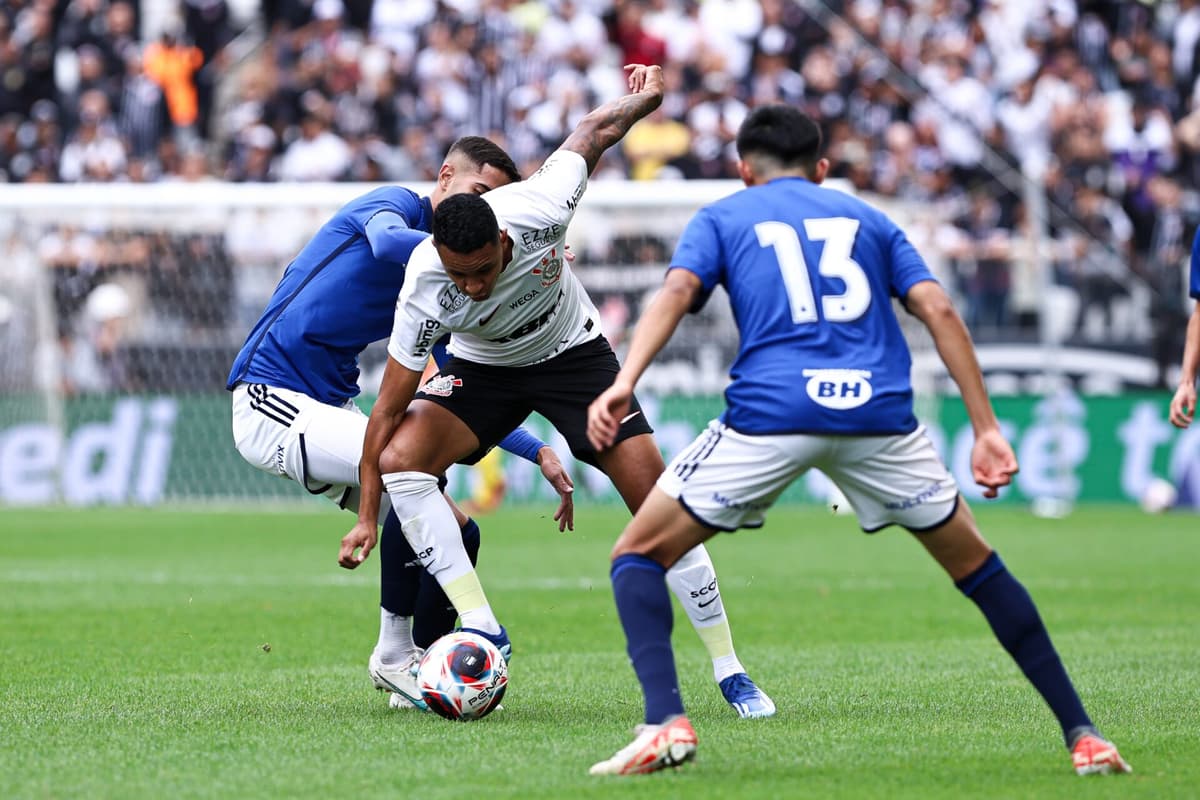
<point x="395" y="645"/>
<point x="693" y="579"/>
<point x="431" y="530"/>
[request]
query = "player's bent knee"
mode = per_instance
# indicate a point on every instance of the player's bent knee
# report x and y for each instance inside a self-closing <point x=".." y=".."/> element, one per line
<point x="666" y="546"/>
<point x="632" y="541"/>
<point x="402" y="459"/>
<point x="409" y="484"/>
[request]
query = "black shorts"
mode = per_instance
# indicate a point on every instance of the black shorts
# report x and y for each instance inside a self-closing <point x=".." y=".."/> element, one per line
<point x="492" y="401"/>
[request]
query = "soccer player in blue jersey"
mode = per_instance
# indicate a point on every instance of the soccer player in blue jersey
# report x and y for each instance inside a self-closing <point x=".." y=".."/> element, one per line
<point x="295" y="378"/>
<point x="1183" y="404"/>
<point x="821" y="380"/>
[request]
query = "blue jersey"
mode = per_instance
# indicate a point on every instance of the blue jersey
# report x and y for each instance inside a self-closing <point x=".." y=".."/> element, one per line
<point x="335" y="298"/>
<point x="1194" y="282"/>
<point x="810" y="274"/>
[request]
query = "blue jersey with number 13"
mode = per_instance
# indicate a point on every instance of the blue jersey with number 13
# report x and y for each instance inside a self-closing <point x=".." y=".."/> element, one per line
<point x="810" y="274"/>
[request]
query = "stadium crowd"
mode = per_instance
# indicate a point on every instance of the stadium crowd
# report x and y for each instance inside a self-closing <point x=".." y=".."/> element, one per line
<point x="955" y="105"/>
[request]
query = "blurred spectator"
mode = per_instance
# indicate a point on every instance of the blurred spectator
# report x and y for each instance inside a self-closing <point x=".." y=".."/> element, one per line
<point x="34" y="36"/>
<point x="1165" y="270"/>
<point x="208" y="27"/>
<point x="489" y="87"/>
<point x="120" y="35"/>
<point x="95" y="360"/>
<point x="172" y="64"/>
<point x="1093" y="272"/>
<point x="1140" y="141"/>
<point x="1185" y="45"/>
<point x="730" y="27"/>
<point x="143" y="112"/>
<point x="317" y="154"/>
<point x="714" y="120"/>
<point x="91" y="75"/>
<point x="95" y="151"/>
<point x="653" y="143"/>
<point x="981" y="261"/>
<point x="254" y="156"/>
<point x="960" y="107"/>
<point x="1024" y="118"/>
<point x="573" y="37"/>
<point x="638" y="45"/>
<point x="73" y="257"/>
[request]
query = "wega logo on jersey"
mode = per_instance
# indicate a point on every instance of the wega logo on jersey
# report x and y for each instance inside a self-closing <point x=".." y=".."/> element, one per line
<point x="451" y="298"/>
<point x="839" y="389"/>
<point x="441" y="385"/>
<point x="550" y="269"/>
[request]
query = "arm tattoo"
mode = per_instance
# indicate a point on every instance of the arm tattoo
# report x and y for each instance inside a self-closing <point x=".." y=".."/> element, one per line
<point x="604" y="126"/>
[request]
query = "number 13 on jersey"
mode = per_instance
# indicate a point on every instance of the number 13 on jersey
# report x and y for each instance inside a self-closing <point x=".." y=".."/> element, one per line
<point x="838" y="235"/>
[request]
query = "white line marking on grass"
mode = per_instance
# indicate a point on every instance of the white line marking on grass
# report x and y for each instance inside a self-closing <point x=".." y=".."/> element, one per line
<point x="163" y="578"/>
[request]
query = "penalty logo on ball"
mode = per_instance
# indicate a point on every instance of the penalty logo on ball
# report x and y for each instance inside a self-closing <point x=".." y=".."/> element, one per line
<point x="462" y="676"/>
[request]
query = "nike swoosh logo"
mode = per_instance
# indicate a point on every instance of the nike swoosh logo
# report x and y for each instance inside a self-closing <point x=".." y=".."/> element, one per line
<point x="628" y="417"/>
<point x="708" y="602"/>
<point x="488" y="318"/>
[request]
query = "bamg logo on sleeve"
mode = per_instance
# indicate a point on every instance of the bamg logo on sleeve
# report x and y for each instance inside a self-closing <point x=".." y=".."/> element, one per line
<point x="425" y="337"/>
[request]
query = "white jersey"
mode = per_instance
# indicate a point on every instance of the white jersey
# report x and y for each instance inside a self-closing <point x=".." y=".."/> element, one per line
<point x="538" y="308"/>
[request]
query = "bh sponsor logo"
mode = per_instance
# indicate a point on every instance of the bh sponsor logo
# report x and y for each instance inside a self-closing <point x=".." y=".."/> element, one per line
<point x="839" y="389"/>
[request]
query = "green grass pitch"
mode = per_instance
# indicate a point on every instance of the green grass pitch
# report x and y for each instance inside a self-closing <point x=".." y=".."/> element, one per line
<point x="157" y="654"/>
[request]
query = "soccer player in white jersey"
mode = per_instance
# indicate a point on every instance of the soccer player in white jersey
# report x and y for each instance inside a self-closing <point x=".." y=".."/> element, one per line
<point x="294" y="380"/>
<point x="821" y="380"/>
<point x="525" y="338"/>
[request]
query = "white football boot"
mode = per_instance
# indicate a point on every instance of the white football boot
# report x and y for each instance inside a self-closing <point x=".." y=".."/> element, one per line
<point x="398" y="679"/>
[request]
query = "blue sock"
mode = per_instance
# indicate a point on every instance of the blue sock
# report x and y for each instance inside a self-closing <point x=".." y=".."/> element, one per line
<point x="1014" y="619"/>
<point x="399" y="571"/>
<point x="644" y="606"/>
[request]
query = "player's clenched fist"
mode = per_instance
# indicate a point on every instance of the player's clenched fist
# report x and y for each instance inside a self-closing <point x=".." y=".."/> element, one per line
<point x="645" y="78"/>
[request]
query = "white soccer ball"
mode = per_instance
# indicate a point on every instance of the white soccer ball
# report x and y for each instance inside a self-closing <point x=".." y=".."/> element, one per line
<point x="1158" y="496"/>
<point x="462" y="676"/>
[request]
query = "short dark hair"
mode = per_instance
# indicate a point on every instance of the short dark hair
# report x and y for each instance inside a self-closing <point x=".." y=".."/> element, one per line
<point x="781" y="133"/>
<point x="485" y="153"/>
<point x="464" y="223"/>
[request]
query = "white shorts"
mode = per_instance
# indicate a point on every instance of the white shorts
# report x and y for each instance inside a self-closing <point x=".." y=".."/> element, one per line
<point x="727" y="480"/>
<point x="291" y="435"/>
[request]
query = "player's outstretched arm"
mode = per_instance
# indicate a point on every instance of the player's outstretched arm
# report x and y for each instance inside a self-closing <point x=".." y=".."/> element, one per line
<point x="603" y="127"/>
<point x="653" y="330"/>
<point x="390" y="237"/>
<point x="557" y="476"/>
<point x="395" y="393"/>
<point x="1183" y="404"/>
<point x="993" y="462"/>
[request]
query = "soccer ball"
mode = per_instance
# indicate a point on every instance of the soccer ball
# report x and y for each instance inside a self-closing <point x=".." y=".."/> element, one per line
<point x="1158" y="496"/>
<point x="462" y="676"/>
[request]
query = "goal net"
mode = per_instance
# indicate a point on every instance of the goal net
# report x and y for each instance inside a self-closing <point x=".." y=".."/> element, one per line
<point x="122" y="306"/>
